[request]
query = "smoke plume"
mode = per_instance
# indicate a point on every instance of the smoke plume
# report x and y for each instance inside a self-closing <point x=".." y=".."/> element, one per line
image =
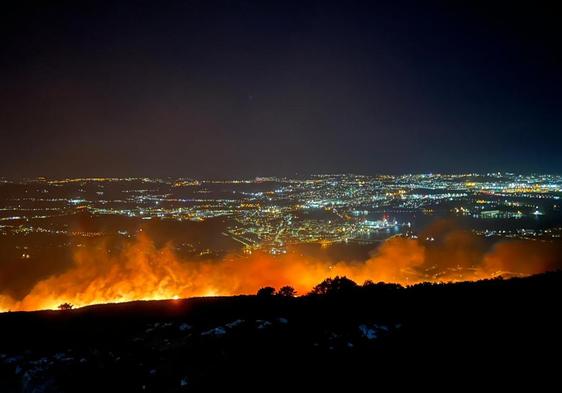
<point x="143" y="270"/>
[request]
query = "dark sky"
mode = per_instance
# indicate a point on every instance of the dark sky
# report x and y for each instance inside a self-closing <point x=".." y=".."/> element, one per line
<point x="245" y="88"/>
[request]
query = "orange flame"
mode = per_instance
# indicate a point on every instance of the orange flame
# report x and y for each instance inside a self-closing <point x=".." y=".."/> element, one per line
<point x="142" y="271"/>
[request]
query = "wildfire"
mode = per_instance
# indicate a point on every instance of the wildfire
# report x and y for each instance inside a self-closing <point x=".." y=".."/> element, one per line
<point x="143" y="271"/>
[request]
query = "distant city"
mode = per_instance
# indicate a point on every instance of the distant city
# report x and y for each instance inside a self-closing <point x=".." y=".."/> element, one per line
<point x="271" y="213"/>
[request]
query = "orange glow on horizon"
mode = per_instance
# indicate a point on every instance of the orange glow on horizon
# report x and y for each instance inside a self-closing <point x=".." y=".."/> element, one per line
<point x="143" y="271"/>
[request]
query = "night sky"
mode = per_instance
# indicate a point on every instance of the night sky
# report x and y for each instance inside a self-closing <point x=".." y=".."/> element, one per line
<point x="254" y="88"/>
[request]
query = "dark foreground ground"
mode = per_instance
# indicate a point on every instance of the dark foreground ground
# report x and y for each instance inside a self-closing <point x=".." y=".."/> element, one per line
<point x="489" y="332"/>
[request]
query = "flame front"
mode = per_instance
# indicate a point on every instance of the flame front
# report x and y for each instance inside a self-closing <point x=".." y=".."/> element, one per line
<point x="142" y="271"/>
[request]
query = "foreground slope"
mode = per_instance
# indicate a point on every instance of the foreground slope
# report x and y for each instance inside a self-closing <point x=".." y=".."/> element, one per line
<point x="494" y="330"/>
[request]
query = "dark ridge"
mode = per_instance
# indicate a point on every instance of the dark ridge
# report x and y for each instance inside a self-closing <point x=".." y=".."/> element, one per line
<point x="351" y="337"/>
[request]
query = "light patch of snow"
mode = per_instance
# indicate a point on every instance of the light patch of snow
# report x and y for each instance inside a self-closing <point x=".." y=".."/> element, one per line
<point x="263" y="324"/>
<point x="14" y="359"/>
<point x="234" y="324"/>
<point x="367" y="332"/>
<point x="218" y="331"/>
<point x="60" y="355"/>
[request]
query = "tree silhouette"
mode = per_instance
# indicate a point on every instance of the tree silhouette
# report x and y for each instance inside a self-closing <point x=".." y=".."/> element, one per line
<point x="287" y="291"/>
<point x="266" y="291"/>
<point x="65" y="306"/>
<point x="336" y="285"/>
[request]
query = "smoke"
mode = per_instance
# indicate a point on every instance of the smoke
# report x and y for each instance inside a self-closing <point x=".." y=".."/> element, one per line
<point x="394" y="261"/>
<point x="143" y="270"/>
<point x="523" y="257"/>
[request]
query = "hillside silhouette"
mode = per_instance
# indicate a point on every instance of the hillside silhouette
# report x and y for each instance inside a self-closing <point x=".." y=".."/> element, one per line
<point x="340" y="337"/>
